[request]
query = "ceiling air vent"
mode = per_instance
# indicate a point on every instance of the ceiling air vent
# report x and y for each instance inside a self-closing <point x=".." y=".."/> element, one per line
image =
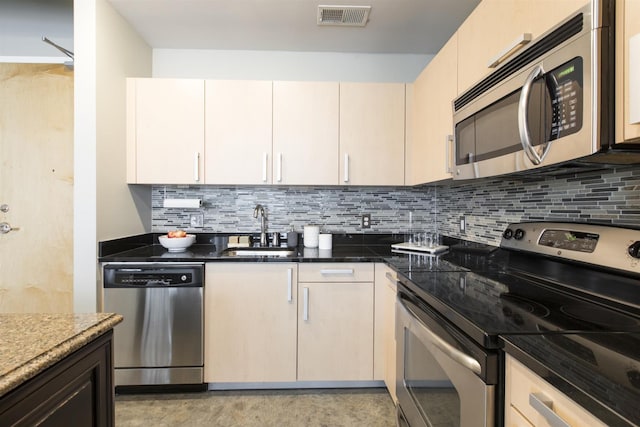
<point x="353" y="16"/>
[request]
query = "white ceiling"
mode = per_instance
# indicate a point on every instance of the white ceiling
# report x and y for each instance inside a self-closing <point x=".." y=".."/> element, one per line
<point x="395" y="26"/>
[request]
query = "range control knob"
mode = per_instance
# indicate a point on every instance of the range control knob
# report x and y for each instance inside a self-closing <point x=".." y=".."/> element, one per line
<point x="508" y="233"/>
<point x="634" y="249"/>
<point x="519" y="234"/>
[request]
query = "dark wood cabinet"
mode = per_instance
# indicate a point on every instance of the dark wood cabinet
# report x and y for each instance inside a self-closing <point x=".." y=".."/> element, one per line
<point x="78" y="390"/>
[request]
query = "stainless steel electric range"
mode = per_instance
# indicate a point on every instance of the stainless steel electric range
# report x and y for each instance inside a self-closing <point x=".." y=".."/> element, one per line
<point x="573" y="287"/>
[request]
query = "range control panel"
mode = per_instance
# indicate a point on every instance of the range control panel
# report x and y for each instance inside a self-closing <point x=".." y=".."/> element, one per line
<point x="601" y="245"/>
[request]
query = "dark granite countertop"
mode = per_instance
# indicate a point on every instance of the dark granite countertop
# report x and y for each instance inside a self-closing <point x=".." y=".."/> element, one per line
<point x="211" y="247"/>
<point x="600" y="372"/>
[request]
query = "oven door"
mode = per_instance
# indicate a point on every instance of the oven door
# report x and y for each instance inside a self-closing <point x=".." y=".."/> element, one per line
<point x="443" y="378"/>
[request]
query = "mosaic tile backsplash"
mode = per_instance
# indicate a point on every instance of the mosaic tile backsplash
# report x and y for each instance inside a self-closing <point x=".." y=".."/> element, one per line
<point x="609" y="196"/>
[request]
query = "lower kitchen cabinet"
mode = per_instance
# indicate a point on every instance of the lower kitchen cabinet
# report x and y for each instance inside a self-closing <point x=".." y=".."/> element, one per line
<point x="335" y="329"/>
<point x="384" y="357"/>
<point x="284" y="322"/>
<point x="78" y="390"/>
<point x="531" y="401"/>
<point x="250" y="322"/>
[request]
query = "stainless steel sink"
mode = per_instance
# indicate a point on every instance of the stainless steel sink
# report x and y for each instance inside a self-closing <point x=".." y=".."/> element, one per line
<point x="260" y="251"/>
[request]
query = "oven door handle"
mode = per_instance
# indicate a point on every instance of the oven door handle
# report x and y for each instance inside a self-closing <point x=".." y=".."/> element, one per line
<point x="458" y="356"/>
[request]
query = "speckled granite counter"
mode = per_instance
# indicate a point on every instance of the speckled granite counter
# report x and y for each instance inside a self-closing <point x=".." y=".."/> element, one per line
<point x="30" y="343"/>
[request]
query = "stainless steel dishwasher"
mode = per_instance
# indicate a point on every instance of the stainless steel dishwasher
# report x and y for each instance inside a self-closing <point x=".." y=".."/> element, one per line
<point x="160" y="341"/>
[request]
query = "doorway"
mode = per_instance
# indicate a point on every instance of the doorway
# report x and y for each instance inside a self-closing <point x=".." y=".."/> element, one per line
<point x="36" y="188"/>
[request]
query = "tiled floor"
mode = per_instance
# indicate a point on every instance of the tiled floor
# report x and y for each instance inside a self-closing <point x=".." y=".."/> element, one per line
<point x="282" y="408"/>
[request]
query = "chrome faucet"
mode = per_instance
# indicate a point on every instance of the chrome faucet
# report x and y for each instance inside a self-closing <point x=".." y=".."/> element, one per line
<point x="259" y="210"/>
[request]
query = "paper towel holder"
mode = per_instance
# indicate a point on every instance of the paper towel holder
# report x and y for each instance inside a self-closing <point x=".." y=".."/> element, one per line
<point x="182" y="203"/>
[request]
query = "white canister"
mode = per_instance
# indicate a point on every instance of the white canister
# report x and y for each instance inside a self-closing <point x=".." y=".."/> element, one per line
<point x="311" y="234"/>
<point x="325" y="241"/>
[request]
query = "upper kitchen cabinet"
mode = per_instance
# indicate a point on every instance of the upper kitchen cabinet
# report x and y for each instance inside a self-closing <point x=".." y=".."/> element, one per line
<point x="429" y="150"/>
<point x="627" y="18"/>
<point x="372" y="123"/>
<point x="498" y="28"/>
<point x="238" y="129"/>
<point x="305" y="133"/>
<point x="165" y="131"/>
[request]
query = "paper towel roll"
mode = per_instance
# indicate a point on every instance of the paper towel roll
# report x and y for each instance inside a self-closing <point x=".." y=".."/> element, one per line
<point x="182" y="203"/>
<point x="311" y="233"/>
<point x="325" y="241"/>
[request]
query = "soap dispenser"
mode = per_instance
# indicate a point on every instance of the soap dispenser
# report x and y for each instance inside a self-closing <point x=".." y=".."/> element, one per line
<point x="292" y="238"/>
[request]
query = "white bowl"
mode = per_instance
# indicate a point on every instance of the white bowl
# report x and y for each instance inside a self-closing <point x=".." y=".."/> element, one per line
<point x="177" y="244"/>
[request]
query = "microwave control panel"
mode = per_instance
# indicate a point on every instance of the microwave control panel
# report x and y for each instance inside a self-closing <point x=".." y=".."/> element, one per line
<point x="565" y="86"/>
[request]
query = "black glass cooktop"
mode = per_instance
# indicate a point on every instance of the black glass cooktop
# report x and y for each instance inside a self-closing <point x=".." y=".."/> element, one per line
<point x="487" y="295"/>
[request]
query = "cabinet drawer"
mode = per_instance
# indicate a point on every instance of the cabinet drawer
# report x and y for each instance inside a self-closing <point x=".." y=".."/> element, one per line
<point x="335" y="272"/>
<point x="523" y="386"/>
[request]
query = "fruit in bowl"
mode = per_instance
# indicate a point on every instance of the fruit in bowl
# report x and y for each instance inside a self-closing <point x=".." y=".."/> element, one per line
<point x="177" y="240"/>
<point x="176" y="233"/>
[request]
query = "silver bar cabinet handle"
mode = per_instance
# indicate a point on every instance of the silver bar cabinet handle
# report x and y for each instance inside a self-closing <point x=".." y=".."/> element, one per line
<point x="196" y="167"/>
<point x="336" y="271"/>
<point x="449" y="156"/>
<point x="265" y="159"/>
<point x="520" y="41"/>
<point x="305" y="304"/>
<point x="290" y="284"/>
<point x="346" y="167"/>
<point x="544" y="407"/>
<point x="279" y="176"/>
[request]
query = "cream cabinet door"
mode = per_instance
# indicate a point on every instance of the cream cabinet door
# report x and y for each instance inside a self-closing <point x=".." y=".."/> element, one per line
<point x="250" y="322"/>
<point x="372" y="118"/>
<point x="305" y="133"/>
<point x="496" y="25"/>
<point x="627" y="19"/>
<point x="165" y="131"/>
<point x="384" y="354"/>
<point x="335" y="331"/>
<point x="430" y="149"/>
<point x="238" y="130"/>
<point x="522" y="383"/>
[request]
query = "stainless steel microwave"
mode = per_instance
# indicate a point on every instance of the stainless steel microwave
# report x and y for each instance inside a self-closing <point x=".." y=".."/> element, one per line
<point x="550" y="104"/>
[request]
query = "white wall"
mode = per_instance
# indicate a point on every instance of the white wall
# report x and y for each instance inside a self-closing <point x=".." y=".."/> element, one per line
<point x="23" y="23"/>
<point x="106" y="51"/>
<point x="279" y="65"/>
<point x="84" y="194"/>
<point x="121" y="210"/>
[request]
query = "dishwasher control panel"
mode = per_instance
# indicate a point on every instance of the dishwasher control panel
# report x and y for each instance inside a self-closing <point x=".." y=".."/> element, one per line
<point x="152" y="275"/>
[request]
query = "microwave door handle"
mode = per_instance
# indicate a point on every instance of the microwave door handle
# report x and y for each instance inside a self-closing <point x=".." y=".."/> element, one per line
<point x="523" y="110"/>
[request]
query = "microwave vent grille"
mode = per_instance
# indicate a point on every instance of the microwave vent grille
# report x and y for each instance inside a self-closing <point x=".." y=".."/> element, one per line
<point x="556" y="37"/>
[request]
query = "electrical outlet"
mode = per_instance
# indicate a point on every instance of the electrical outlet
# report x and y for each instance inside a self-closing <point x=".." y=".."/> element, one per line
<point x="197" y="220"/>
<point x="463" y="224"/>
<point x="366" y="220"/>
